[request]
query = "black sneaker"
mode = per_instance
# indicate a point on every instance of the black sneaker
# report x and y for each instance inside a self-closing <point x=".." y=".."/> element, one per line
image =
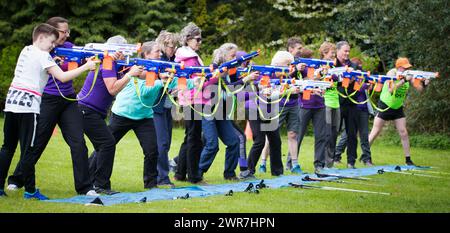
<point x="105" y="191"/>
<point x="368" y="163"/>
<point x="245" y="175"/>
<point x="410" y="163"/>
<point x="166" y="184"/>
<point x="177" y="178"/>
<point x="232" y="178"/>
<point x="150" y="186"/>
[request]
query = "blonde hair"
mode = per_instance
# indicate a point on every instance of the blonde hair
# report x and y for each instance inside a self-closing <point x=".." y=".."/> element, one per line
<point x="219" y="55"/>
<point x="190" y="31"/>
<point x="147" y="47"/>
<point x="282" y="58"/>
<point x="325" y="48"/>
<point x="165" y="37"/>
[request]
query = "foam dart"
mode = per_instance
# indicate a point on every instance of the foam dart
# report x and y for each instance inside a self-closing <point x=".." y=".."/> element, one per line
<point x="310" y="72"/>
<point x="150" y="78"/>
<point x="345" y="82"/>
<point x="72" y="65"/>
<point x="182" y="83"/>
<point x="307" y="94"/>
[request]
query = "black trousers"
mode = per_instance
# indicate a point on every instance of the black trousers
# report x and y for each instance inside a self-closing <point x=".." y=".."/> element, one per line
<point x="65" y="113"/>
<point x="146" y="134"/>
<point x="97" y="131"/>
<point x="18" y="127"/>
<point x="191" y="149"/>
<point x="349" y="115"/>
<point x="259" y="139"/>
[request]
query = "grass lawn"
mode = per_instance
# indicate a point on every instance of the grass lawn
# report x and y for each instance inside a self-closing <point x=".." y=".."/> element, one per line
<point x="409" y="193"/>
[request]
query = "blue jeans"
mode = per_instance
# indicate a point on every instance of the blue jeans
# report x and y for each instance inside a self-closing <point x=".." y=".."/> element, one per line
<point x="163" y="126"/>
<point x="223" y="129"/>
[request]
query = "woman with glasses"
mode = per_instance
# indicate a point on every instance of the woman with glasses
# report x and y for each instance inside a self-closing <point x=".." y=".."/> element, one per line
<point x="190" y="150"/>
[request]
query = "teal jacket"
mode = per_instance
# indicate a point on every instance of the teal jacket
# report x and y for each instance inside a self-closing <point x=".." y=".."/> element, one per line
<point x="129" y="105"/>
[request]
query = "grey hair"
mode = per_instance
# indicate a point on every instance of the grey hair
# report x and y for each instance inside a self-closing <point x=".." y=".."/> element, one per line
<point x="190" y="31"/>
<point x="118" y="39"/>
<point x="219" y="55"/>
<point x="147" y="47"/>
<point x="341" y="44"/>
<point x="281" y="57"/>
<point x="166" y="37"/>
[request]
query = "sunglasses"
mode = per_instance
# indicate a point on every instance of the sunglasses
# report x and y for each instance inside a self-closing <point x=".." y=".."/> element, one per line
<point x="65" y="32"/>
<point x="198" y="39"/>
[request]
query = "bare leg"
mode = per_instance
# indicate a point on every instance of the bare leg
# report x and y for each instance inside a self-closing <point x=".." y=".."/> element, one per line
<point x="378" y="124"/>
<point x="400" y="124"/>
<point x="292" y="144"/>
<point x="266" y="151"/>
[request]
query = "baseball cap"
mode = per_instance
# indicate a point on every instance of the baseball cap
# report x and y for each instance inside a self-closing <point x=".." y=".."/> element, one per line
<point x="402" y="62"/>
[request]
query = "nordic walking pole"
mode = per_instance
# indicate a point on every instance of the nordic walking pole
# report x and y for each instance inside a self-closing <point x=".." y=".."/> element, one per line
<point x="381" y="171"/>
<point x="341" y="176"/>
<point x="334" y="189"/>
<point x="307" y="178"/>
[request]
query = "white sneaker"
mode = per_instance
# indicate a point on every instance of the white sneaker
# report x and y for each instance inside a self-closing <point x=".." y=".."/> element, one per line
<point x="92" y="193"/>
<point x="12" y="187"/>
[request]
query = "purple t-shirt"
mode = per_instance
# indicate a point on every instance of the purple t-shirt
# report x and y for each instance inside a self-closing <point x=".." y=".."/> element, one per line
<point x="314" y="102"/>
<point x="67" y="87"/>
<point x="361" y="96"/>
<point x="99" y="99"/>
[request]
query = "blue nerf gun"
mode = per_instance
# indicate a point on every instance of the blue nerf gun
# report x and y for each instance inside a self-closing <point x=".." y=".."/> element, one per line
<point x="358" y="76"/>
<point x="305" y="86"/>
<point x="266" y="71"/>
<point x="231" y="66"/>
<point x="76" y="55"/>
<point x="312" y="64"/>
<point x="154" y="67"/>
<point x="379" y="80"/>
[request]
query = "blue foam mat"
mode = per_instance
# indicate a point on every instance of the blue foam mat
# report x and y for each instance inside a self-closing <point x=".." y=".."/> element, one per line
<point x="221" y="189"/>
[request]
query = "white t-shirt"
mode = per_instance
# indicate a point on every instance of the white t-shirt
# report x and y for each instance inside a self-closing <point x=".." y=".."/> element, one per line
<point x="30" y="78"/>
